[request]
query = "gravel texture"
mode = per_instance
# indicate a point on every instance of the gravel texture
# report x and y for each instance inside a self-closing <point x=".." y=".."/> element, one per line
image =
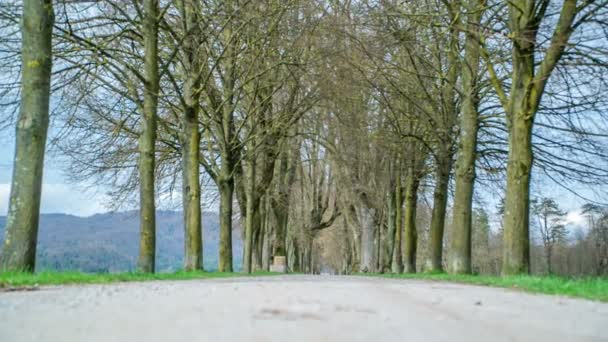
<point x="296" y="308"/>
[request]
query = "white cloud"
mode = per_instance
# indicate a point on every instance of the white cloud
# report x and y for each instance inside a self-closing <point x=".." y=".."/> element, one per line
<point x="60" y="198"/>
<point x="575" y="217"/>
<point x="4" y="193"/>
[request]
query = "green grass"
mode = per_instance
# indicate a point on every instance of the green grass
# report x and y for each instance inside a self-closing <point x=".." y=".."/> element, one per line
<point x="588" y="288"/>
<point x="17" y="279"/>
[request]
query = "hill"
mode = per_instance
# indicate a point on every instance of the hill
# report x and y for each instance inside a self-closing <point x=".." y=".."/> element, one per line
<point x="109" y="242"/>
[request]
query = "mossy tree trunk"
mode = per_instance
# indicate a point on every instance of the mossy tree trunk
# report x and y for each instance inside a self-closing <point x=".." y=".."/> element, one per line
<point x="250" y="213"/>
<point x="226" y="188"/>
<point x="397" y="264"/>
<point x="280" y="202"/>
<point x="459" y="256"/>
<point x="191" y="189"/>
<point x="228" y="147"/>
<point x="444" y="144"/>
<point x="391" y="231"/>
<point x="147" y="141"/>
<point x="528" y="83"/>
<point x="410" y="233"/>
<point x="19" y="249"/>
<point x="434" y="255"/>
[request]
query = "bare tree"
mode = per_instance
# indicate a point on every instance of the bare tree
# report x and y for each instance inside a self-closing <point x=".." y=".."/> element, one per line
<point x="19" y="248"/>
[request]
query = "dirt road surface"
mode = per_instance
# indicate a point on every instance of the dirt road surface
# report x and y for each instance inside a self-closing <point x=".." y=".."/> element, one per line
<point x="296" y="308"/>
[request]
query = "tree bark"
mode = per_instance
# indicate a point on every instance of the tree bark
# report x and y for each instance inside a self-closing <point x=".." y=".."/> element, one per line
<point x="391" y="231"/>
<point x="366" y="220"/>
<point x="147" y="141"/>
<point x="397" y="264"/>
<point x="229" y="151"/>
<point x="444" y="154"/>
<point x="226" y="187"/>
<point x="250" y="214"/>
<point x="191" y="190"/>
<point x="440" y="197"/>
<point x="527" y="87"/>
<point x="19" y="249"/>
<point x="280" y="204"/>
<point x="191" y="193"/>
<point x="459" y="257"/>
<point x="410" y="233"/>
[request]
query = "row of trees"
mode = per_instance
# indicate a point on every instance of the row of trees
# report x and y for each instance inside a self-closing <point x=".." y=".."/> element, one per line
<point x="306" y="115"/>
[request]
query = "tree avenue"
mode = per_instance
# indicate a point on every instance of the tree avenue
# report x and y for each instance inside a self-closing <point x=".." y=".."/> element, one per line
<point x="330" y="136"/>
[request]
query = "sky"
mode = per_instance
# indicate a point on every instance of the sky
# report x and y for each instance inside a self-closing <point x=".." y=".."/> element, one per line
<point x="57" y="195"/>
<point x="60" y="196"/>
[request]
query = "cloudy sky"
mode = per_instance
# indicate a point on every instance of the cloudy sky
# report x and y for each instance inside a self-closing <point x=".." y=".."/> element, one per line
<point x="57" y="195"/>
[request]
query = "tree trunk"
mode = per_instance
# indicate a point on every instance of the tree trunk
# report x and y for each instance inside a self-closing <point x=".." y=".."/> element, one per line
<point x="191" y="190"/>
<point x="516" y="238"/>
<point x="267" y="246"/>
<point x="229" y="151"/>
<point x="440" y="198"/>
<point x="390" y="237"/>
<point x="460" y="238"/>
<point x="366" y="220"/>
<point x="410" y="234"/>
<point x="397" y="264"/>
<point x="250" y="214"/>
<point x="147" y="141"/>
<point x="525" y="95"/>
<point x="280" y="204"/>
<point x="193" y="253"/>
<point x="548" y="255"/>
<point x="19" y="250"/>
<point x="444" y="149"/>
<point x="260" y="236"/>
<point x="226" y="188"/>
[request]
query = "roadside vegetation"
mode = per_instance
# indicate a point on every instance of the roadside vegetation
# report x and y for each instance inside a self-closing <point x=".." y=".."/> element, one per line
<point x="594" y="288"/>
<point x="17" y="280"/>
<point x="358" y="136"/>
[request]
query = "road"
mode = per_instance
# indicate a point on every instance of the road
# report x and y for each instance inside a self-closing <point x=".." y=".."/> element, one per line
<point x="295" y="308"/>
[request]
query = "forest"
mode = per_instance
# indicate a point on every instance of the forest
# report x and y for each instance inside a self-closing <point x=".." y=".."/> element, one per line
<point x="341" y="136"/>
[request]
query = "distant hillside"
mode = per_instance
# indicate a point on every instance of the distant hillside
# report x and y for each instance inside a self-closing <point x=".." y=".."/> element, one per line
<point x="109" y="242"/>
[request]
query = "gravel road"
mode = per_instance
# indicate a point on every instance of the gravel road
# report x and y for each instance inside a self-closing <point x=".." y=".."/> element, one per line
<point x="295" y="308"/>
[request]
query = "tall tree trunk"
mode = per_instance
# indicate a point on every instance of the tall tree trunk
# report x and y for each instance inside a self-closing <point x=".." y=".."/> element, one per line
<point x="459" y="257"/>
<point x="548" y="256"/>
<point x="147" y="141"/>
<point x="259" y="236"/>
<point x="226" y="188"/>
<point x="193" y="253"/>
<point x="527" y="87"/>
<point x="516" y="238"/>
<point x="228" y="148"/>
<point x="397" y="264"/>
<point x="366" y="220"/>
<point x="410" y="234"/>
<point x="191" y="190"/>
<point x="250" y="213"/>
<point x="19" y="250"/>
<point x="280" y="203"/>
<point x="440" y="198"/>
<point x="444" y="149"/>
<point x="391" y="231"/>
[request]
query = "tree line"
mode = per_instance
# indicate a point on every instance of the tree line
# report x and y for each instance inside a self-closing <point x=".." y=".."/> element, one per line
<point x="306" y="118"/>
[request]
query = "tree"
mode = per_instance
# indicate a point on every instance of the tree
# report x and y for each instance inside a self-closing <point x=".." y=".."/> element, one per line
<point x="19" y="249"/>
<point x="597" y="217"/>
<point x="147" y="140"/>
<point x="551" y="226"/>
<point x="528" y="77"/>
<point x="460" y="249"/>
